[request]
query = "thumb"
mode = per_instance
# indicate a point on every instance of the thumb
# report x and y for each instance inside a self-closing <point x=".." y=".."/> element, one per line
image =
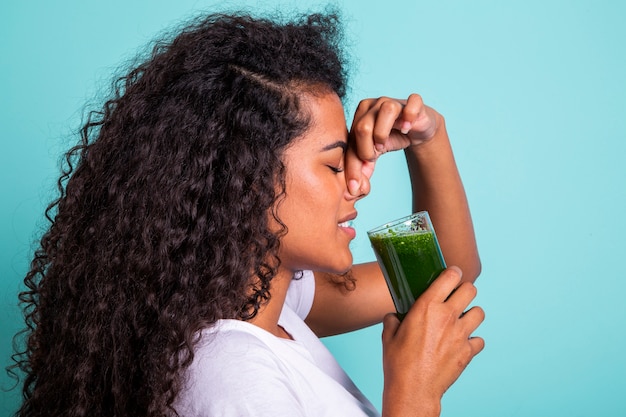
<point x="391" y="323"/>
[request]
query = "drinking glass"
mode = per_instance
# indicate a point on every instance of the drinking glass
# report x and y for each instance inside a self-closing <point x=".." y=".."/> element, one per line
<point x="408" y="253"/>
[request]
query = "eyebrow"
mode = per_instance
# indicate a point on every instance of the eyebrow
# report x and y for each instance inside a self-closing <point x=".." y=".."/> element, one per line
<point x="339" y="144"/>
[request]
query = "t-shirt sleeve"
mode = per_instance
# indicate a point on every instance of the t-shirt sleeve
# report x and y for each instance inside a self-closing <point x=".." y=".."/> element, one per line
<point x="300" y="294"/>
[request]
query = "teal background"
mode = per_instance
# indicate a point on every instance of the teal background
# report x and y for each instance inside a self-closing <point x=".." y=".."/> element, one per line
<point x="534" y="97"/>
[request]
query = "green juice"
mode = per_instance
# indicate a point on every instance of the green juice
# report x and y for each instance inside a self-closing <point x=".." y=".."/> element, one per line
<point x="410" y="261"/>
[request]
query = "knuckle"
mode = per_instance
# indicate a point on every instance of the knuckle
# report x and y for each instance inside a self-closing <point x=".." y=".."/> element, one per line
<point x="425" y="299"/>
<point x="362" y="107"/>
<point x="363" y="129"/>
<point x="467" y="353"/>
<point x="469" y="288"/>
<point x="390" y="106"/>
<point x="416" y="98"/>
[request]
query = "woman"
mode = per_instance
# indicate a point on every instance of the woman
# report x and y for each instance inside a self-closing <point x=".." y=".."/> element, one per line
<point x="176" y="273"/>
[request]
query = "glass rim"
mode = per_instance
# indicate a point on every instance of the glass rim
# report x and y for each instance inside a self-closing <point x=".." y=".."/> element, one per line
<point x="392" y="223"/>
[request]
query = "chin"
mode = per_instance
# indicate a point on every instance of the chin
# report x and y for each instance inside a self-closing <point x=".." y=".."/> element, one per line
<point x="336" y="263"/>
<point x="342" y="267"/>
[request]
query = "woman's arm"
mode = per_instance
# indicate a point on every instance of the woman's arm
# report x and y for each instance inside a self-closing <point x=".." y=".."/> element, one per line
<point x="425" y="353"/>
<point x="383" y="125"/>
<point x="339" y="308"/>
<point x="437" y="188"/>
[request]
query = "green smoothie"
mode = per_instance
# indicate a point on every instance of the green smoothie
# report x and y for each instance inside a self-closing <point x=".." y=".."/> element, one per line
<point x="410" y="261"/>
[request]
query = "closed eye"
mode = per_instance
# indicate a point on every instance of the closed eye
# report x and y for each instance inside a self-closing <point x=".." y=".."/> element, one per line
<point x="336" y="170"/>
<point x="332" y="147"/>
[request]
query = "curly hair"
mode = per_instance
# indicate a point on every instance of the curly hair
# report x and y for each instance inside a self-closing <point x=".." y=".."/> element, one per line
<point x="164" y="220"/>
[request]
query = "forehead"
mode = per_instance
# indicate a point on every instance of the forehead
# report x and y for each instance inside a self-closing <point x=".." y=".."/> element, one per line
<point x="327" y="121"/>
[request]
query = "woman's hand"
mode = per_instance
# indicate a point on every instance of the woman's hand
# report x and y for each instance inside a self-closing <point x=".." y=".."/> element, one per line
<point x="382" y="125"/>
<point x="426" y="352"/>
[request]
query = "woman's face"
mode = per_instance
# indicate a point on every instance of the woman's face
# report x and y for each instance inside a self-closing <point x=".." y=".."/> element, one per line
<point x="317" y="208"/>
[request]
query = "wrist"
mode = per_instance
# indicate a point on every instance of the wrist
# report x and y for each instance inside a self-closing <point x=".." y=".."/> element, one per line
<point x="416" y="409"/>
<point x="413" y="403"/>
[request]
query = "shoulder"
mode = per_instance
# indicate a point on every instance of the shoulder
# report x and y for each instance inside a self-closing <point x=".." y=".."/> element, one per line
<point x="233" y="343"/>
<point x="235" y="371"/>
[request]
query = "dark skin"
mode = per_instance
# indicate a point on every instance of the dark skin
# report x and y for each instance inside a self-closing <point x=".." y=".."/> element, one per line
<point x="327" y="171"/>
<point x="438" y="328"/>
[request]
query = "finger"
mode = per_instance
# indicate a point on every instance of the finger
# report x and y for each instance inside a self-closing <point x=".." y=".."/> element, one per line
<point x="472" y="318"/>
<point x="361" y="132"/>
<point x="477" y="344"/>
<point x="366" y="174"/>
<point x="391" y="323"/>
<point x="385" y="119"/>
<point x="357" y="173"/>
<point x="461" y="297"/>
<point x="354" y="171"/>
<point x="364" y="106"/>
<point x="413" y="109"/>
<point x="444" y="284"/>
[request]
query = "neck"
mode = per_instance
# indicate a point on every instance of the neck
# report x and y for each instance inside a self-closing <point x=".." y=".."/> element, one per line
<point x="268" y="315"/>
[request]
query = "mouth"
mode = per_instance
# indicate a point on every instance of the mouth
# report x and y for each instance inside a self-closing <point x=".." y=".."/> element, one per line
<point x="348" y="220"/>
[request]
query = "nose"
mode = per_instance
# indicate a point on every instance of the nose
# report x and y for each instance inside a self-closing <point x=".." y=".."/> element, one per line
<point x="363" y="190"/>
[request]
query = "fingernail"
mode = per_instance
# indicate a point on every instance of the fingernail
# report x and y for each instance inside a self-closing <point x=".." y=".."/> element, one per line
<point x="405" y="128"/>
<point x="380" y="147"/>
<point x="353" y="187"/>
<point x="457" y="269"/>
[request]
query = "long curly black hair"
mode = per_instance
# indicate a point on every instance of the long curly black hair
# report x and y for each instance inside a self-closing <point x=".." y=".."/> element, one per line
<point x="164" y="220"/>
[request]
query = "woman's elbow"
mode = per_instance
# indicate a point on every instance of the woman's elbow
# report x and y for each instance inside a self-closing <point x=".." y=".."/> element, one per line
<point x="472" y="270"/>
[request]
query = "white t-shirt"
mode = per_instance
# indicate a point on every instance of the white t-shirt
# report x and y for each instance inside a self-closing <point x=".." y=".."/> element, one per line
<point x="240" y="369"/>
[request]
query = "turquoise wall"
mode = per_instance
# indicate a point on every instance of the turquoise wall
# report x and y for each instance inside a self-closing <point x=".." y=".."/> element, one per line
<point x="534" y="97"/>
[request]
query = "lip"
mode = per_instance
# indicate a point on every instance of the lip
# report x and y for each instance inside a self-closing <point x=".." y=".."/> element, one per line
<point x="349" y="217"/>
<point x="348" y="229"/>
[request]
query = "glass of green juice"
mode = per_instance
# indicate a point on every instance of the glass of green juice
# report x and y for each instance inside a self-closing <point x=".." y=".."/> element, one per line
<point x="408" y="253"/>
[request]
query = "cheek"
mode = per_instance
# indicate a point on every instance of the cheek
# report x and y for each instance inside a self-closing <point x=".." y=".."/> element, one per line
<point x="298" y="204"/>
<point x="309" y="212"/>
<point x="319" y="199"/>
<point x="313" y="195"/>
<point x="305" y="188"/>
